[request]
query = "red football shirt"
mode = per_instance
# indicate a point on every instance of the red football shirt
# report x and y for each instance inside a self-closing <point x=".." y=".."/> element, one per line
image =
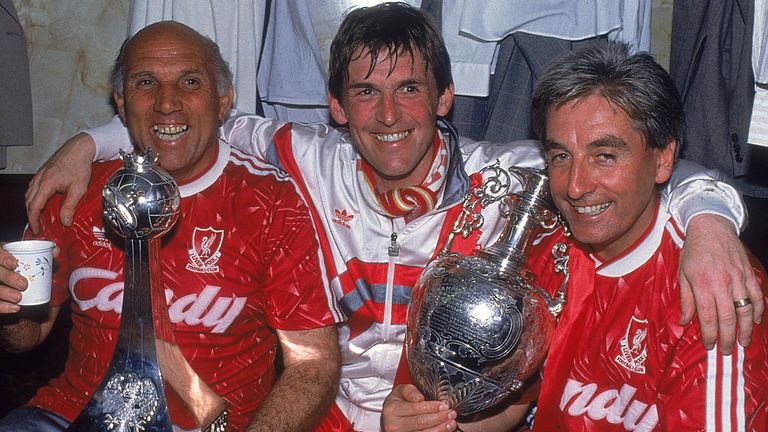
<point x="619" y="360"/>
<point x="241" y="261"/>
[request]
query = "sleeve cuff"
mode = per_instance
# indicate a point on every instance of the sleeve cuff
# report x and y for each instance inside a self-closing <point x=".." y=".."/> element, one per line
<point x="708" y="197"/>
<point x="110" y="138"/>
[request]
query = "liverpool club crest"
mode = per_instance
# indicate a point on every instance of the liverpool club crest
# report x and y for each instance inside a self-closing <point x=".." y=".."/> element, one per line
<point x="633" y="346"/>
<point x="205" y="252"/>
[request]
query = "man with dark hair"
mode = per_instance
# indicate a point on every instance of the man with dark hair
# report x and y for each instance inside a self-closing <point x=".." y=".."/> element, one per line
<point x="258" y="283"/>
<point x="610" y="122"/>
<point x="386" y="190"/>
<point x="414" y="32"/>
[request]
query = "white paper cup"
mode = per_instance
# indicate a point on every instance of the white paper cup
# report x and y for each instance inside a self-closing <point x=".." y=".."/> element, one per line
<point x="36" y="264"/>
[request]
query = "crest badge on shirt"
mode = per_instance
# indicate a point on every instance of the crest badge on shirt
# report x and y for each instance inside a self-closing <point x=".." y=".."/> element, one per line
<point x="634" y="346"/>
<point x="205" y="252"/>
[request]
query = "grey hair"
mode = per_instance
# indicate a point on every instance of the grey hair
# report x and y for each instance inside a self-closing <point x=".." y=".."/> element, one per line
<point x="220" y="66"/>
<point x="633" y="82"/>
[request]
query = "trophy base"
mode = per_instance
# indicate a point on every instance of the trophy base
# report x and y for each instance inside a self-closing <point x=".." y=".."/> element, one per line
<point x="130" y="398"/>
<point x="463" y="390"/>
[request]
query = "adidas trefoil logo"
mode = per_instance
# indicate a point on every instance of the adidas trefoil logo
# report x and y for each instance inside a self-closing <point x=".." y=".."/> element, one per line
<point x="100" y="238"/>
<point x="342" y="218"/>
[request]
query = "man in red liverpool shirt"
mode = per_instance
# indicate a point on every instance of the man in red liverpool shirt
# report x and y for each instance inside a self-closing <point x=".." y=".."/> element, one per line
<point x="255" y="283"/>
<point x="610" y="123"/>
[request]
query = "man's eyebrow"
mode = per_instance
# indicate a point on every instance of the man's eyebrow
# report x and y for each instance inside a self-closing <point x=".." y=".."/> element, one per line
<point x="552" y="145"/>
<point x="360" y="85"/>
<point x="367" y="84"/>
<point x="604" y="141"/>
<point x="144" y="73"/>
<point x="412" y="81"/>
<point x="608" y="141"/>
<point x="191" y="71"/>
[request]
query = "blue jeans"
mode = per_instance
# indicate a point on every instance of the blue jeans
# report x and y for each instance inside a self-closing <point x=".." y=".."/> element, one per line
<point x="31" y="419"/>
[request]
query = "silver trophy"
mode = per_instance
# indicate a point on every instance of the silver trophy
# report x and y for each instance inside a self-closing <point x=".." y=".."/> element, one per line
<point x="477" y="327"/>
<point x="140" y="202"/>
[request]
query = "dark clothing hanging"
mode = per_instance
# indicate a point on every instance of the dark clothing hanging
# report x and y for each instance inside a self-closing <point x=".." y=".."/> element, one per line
<point x="15" y="90"/>
<point x="505" y="115"/>
<point x="711" y="63"/>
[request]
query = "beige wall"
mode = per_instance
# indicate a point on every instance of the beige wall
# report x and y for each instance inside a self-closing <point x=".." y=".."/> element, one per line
<point x="72" y="44"/>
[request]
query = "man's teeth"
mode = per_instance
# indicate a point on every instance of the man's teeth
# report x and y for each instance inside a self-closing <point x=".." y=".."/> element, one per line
<point x="393" y="137"/>
<point x="592" y="210"/>
<point x="169" y="133"/>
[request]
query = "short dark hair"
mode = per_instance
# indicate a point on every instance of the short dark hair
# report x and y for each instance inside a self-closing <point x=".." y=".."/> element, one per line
<point x="391" y="29"/>
<point x="633" y="82"/>
<point x="220" y="66"/>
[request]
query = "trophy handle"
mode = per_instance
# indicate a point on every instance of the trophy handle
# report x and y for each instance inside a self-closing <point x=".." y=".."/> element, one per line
<point x="557" y="303"/>
<point x="495" y="186"/>
<point x="551" y="222"/>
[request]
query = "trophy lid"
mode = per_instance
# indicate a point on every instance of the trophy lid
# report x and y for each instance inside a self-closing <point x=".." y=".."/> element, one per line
<point x="140" y="199"/>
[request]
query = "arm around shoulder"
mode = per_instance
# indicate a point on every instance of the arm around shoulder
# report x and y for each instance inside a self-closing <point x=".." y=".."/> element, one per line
<point x="693" y="190"/>
<point x="713" y="278"/>
<point x="68" y="171"/>
<point x="250" y="133"/>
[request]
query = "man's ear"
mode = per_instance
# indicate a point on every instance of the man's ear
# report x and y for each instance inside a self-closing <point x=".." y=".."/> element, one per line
<point x="665" y="162"/>
<point x="336" y="110"/>
<point x="225" y="102"/>
<point x="120" y="104"/>
<point x="445" y="101"/>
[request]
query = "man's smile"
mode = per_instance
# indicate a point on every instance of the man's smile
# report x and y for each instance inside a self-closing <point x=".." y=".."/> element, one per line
<point x="393" y="137"/>
<point x="592" y="210"/>
<point x="169" y="133"/>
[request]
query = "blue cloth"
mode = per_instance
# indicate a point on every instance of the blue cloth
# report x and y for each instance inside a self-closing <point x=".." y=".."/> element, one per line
<point x="31" y="419"/>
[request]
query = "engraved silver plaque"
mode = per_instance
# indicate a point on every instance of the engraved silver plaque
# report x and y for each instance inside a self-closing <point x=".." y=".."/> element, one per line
<point x="130" y="402"/>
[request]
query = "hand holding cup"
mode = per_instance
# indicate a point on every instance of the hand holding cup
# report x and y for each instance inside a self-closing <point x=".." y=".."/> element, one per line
<point x="34" y="259"/>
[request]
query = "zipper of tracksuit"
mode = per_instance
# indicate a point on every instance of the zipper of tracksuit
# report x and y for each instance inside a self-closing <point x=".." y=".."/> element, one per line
<point x="393" y="251"/>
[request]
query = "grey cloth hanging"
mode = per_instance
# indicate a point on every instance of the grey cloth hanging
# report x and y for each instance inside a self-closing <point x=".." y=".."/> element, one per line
<point x="505" y="114"/>
<point x="15" y="90"/>
<point x="711" y="63"/>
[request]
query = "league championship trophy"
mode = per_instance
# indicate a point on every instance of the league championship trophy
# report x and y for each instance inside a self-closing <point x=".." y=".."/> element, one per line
<point x="477" y="327"/>
<point x="140" y="202"/>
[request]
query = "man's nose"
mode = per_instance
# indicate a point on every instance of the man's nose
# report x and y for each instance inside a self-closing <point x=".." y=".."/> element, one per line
<point x="580" y="180"/>
<point x="168" y="99"/>
<point x="388" y="111"/>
